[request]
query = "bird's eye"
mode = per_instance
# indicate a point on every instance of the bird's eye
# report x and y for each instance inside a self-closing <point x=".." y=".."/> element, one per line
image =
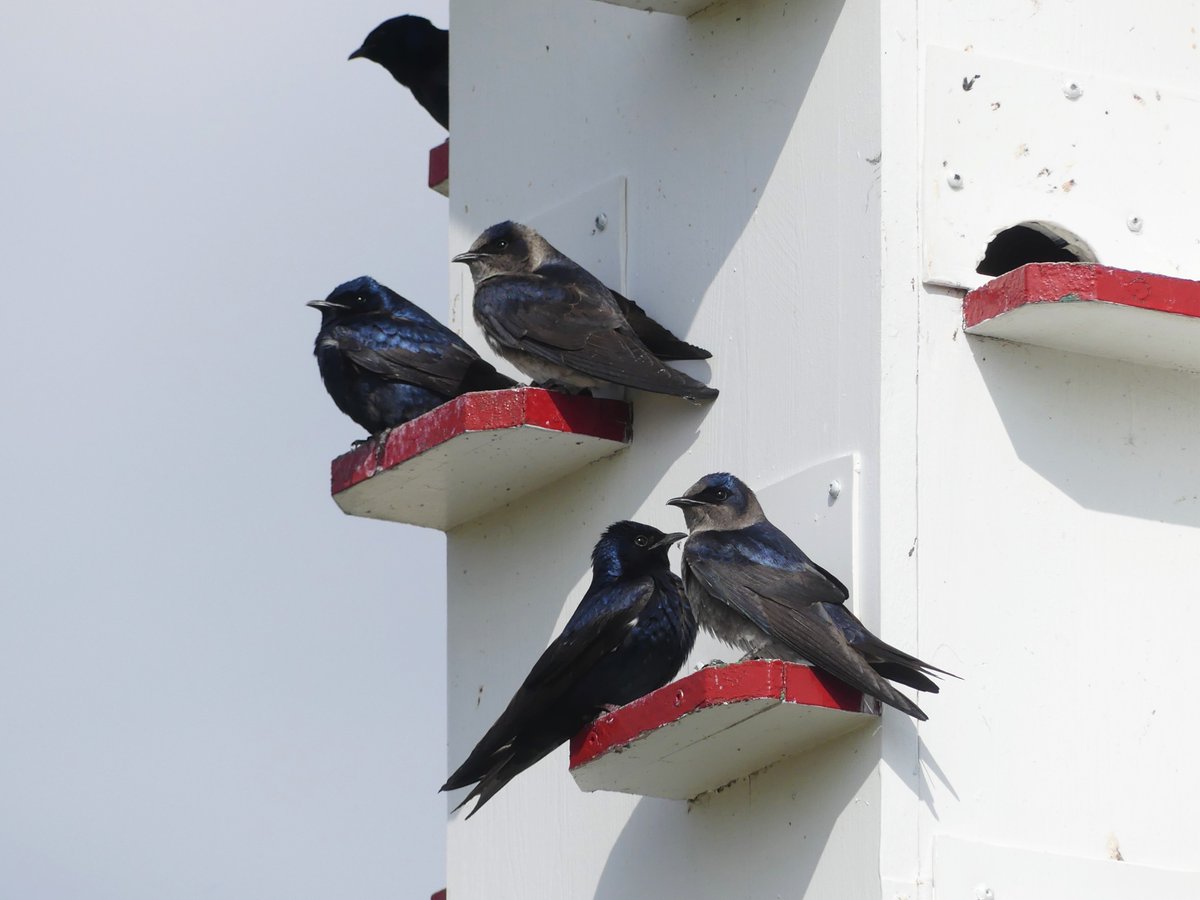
<point x="502" y="245"/>
<point x="641" y="540"/>
<point x="721" y="494"/>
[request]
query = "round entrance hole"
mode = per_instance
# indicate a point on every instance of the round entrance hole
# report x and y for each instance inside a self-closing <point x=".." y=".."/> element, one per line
<point x="1032" y="242"/>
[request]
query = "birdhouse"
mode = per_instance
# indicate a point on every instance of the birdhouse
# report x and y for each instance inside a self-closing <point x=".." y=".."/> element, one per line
<point x="943" y="255"/>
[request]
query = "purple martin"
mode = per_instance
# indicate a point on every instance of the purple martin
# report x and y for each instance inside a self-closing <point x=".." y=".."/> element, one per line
<point x="385" y="360"/>
<point x="417" y="53"/>
<point x="556" y="322"/>
<point x="630" y="634"/>
<point x="753" y="588"/>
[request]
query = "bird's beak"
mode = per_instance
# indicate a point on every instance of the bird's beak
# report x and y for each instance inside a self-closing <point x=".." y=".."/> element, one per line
<point x="681" y="502"/>
<point x="669" y="539"/>
<point x="357" y="53"/>
<point x="467" y="257"/>
<point x="324" y="305"/>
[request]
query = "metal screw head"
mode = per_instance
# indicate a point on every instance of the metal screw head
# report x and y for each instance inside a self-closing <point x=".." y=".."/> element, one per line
<point x="601" y="221"/>
<point x="835" y="489"/>
<point x="983" y="892"/>
<point x="955" y="181"/>
<point x="1072" y="90"/>
<point x="1134" y="224"/>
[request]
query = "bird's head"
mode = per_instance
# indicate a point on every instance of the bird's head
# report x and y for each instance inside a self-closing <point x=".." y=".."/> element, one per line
<point x="631" y="548"/>
<point x="507" y="248"/>
<point x="718" y="502"/>
<point x="357" y="297"/>
<point x="400" y="45"/>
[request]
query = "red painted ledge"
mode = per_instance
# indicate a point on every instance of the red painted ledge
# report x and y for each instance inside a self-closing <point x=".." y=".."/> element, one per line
<point x="751" y="680"/>
<point x="713" y="726"/>
<point x="439" y="168"/>
<point x="1093" y="309"/>
<point x="475" y="453"/>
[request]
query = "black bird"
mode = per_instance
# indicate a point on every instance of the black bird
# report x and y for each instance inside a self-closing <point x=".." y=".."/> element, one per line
<point x="557" y="323"/>
<point x="417" y="53"/>
<point x="753" y="588"/>
<point x="632" y="631"/>
<point x="385" y="360"/>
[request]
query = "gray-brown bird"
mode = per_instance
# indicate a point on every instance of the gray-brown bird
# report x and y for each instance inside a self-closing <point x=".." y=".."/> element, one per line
<point x="560" y="325"/>
<point x="752" y="587"/>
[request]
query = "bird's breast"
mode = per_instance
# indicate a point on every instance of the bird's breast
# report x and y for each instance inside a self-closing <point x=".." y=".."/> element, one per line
<point x="723" y="621"/>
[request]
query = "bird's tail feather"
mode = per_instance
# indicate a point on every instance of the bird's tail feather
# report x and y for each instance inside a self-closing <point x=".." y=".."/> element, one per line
<point x="913" y="678"/>
<point x="482" y="376"/>
<point x="484" y="759"/>
<point x="660" y="341"/>
<point x="886" y="660"/>
<point x="507" y="767"/>
<point x="892" y="697"/>
<point x="677" y="349"/>
<point x="900" y="666"/>
<point x="487" y="787"/>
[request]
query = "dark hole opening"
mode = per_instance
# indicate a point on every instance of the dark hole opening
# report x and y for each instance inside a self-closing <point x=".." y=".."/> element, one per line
<point x="1014" y="247"/>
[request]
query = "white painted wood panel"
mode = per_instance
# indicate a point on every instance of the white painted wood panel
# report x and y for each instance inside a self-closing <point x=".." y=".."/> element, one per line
<point x="1061" y="605"/>
<point x="744" y="136"/>
<point x="1055" y="516"/>
<point x="989" y="872"/>
<point x="1098" y="158"/>
<point x="817" y="508"/>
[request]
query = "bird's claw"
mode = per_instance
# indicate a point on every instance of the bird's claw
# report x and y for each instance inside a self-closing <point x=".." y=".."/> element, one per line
<point x="379" y="440"/>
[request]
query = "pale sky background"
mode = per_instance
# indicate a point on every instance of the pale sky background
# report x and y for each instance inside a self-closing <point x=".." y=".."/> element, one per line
<point x="212" y="683"/>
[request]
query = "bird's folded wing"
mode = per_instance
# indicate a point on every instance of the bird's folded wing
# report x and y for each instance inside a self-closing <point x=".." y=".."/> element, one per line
<point x="770" y="563"/>
<point x="572" y="327"/>
<point x="658" y="340"/>
<point x="417" y="355"/>
<point x="784" y="603"/>
<point x="599" y="627"/>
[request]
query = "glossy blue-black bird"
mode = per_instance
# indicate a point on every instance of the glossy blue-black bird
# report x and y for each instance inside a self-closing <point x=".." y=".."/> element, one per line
<point x="385" y="360"/>
<point x="632" y="631"/>
<point x="752" y="587"/>
<point x="417" y="54"/>
<point x="559" y="324"/>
